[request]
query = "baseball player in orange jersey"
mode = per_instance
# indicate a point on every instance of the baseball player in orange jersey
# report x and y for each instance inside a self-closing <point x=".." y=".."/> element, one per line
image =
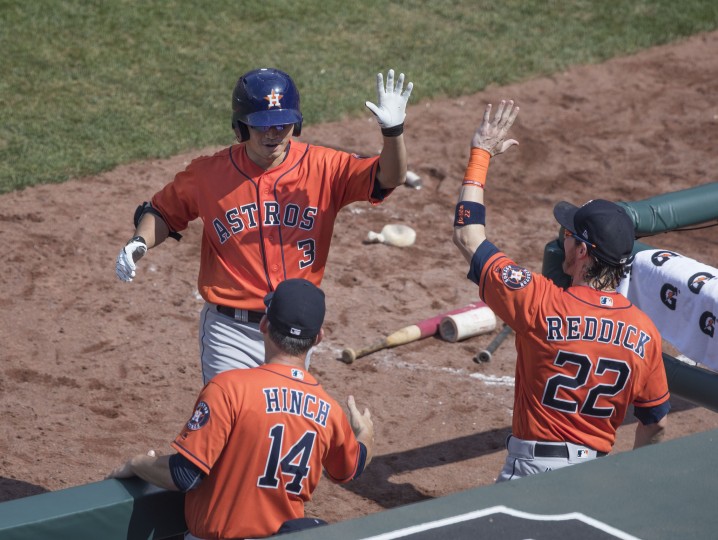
<point x="253" y="451"/>
<point x="584" y="354"/>
<point x="268" y="207"/>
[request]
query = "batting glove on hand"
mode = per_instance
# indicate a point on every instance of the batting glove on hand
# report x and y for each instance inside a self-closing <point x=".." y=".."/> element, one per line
<point x="125" y="266"/>
<point x="491" y="133"/>
<point x="391" y="110"/>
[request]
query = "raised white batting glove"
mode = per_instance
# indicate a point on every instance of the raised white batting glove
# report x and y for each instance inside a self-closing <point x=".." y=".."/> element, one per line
<point x="134" y="250"/>
<point x="391" y="111"/>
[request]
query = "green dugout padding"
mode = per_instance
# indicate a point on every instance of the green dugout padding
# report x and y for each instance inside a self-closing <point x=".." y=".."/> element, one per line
<point x="674" y="210"/>
<point x="107" y="510"/>
<point x="664" y="491"/>
<point x="652" y="216"/>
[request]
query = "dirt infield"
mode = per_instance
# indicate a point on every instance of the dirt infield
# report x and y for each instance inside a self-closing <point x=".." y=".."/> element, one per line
<point x="95" y="370"/>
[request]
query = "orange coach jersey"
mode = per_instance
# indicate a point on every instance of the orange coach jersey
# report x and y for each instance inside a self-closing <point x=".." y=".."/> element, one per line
<point x="262" y="435"/>
<point x="583" y="356"/>
<point x="262" y="227"/>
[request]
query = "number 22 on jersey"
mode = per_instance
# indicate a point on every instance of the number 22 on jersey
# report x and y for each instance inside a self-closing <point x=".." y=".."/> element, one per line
<point x="605" y="367"/>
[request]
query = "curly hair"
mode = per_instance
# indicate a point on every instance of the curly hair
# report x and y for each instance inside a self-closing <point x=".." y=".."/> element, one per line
<point x="604" y="276"/>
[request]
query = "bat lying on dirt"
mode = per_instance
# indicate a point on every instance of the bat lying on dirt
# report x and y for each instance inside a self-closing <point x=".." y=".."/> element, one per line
<point x="485" y="355"/>
<point x="422" y="329"/>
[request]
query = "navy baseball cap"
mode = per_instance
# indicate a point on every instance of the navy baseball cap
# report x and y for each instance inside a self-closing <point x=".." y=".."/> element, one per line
<point x="603" y="225"/>
<point x="296" y="308"/>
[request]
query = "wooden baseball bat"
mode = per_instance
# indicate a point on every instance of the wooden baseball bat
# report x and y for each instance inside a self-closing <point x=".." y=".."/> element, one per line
<point x="485" y="355"/>
<point x="425" y="328"/>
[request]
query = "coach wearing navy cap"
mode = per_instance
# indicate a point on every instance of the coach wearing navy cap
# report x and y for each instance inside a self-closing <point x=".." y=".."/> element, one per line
<point x="296" y="308"/>
<point x="253" y="449"/>
<point x="585" y="354"/>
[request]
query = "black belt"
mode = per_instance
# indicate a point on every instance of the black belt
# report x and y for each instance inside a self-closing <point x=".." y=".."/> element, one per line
<point x="555" y="450"/>
<point x="252" y="316"/>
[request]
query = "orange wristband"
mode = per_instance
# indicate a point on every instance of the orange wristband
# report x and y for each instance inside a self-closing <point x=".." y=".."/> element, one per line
<point x="478" y="166"/>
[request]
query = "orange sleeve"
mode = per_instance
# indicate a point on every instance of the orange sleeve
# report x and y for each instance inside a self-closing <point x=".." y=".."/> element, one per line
<point x="353" y="178"/>
<point x="177" y="201"/>
<point x="512" y="291"/>
<point x="342" y="458"/>
<point x="205" y="434"/>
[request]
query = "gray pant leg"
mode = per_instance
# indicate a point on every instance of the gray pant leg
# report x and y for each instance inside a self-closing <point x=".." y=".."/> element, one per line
<point x="225" y="343"/>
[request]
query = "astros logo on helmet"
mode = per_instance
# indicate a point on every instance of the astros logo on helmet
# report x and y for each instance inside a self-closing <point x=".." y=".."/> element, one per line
<point x="273" y="99"/>
<point x="265" y="97"/>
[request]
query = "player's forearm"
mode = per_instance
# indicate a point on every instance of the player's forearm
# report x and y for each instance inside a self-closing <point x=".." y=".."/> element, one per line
<point x="362" y="427"/>
<point x="153" y="229"/>
<point x="469" y="219"/>
<point x="366" y="437"/>
<point x="489" y="140"/>
<point x="650" y="433"/>
<point x="392" y="162"/>
<point x="155" y="470"/>
<point x="469" y="237"/>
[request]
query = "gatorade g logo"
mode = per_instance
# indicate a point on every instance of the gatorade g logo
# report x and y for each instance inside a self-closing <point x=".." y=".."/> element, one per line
<point x="708" y="323"/>
<point x="273" y="99"/>
<point x="669" y="296"/>
<point x="696" y="281"/>
<point x="515" y="277"/>
<point x="659" y="258"/>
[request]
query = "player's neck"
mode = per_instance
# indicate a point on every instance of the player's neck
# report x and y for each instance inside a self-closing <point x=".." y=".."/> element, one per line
<point x="266" y="162"/>
<point x="285" y="360"/>
<point x="593" y="284"/>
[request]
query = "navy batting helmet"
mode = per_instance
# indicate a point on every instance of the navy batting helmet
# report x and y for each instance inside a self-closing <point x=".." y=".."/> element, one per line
<point x="265" y="97"/>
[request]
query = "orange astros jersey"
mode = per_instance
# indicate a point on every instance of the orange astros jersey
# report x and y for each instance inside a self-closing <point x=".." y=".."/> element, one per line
<point x="262" y="227"/>
<point x="262" y="435"/>
<point x="583" y="356"/>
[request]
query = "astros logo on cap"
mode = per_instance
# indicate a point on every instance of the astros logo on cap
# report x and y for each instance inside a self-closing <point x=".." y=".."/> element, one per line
<point x="273" y="99"/>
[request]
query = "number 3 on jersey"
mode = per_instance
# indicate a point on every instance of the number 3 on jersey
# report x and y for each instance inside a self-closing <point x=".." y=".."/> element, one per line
<point x="293" y="463"/>
<point x="622" y="372"/>
<point x="307" y="247"/>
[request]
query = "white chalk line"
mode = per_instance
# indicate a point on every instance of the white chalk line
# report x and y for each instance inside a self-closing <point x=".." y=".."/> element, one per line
<point x="489" y="380"/>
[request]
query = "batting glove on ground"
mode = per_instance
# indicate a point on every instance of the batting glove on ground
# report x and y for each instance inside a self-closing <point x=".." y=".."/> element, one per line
<point x="391" y="110"/>
<point x="125" y="266"/>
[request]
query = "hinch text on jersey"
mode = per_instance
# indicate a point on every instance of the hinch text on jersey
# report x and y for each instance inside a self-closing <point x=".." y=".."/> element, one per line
<point x="293" y="401"/>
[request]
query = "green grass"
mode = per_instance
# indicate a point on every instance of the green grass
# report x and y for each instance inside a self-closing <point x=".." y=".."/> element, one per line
<point x="87" y="85"/>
